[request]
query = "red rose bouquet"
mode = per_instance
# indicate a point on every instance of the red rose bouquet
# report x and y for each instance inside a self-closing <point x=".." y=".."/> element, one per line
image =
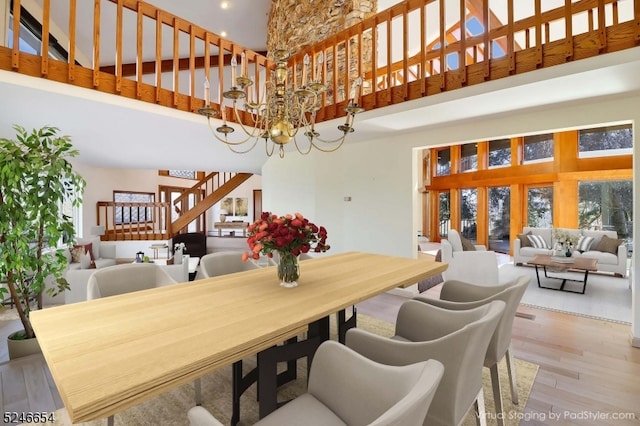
<point x="285" y="234"/>
<point x="289" y="235"/>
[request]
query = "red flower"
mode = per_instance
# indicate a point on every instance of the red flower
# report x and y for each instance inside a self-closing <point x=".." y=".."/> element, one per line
<point x="288" y="233"/>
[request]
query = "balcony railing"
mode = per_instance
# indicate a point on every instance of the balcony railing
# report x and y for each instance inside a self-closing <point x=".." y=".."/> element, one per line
<point x="134" y="221"/>
<point x="416" y="48"/>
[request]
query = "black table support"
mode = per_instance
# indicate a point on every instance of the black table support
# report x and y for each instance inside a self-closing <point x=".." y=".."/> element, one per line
<point x="265" y="373"/>
<point x="564" y="281"/>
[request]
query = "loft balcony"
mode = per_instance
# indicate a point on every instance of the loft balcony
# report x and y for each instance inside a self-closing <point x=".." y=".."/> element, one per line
<point x="423" y="48"/>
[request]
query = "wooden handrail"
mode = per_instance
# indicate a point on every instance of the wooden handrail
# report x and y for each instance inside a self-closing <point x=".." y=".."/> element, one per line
<point x="213" y="190"/>
<point x="198" y="186"/>
<point x="134" y="221"/>
<point x="392" y="75"/>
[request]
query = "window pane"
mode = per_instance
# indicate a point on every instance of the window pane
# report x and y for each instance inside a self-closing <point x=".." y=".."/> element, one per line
<point x="540" y="207"/>
<point x="469" y="157"/>
<point x="500" y="152"/>
<point x="185" y="174"/>
<point x="538" y="147"/>
<point x="133" y="214"/>
<point x="469" y="214"/>
<point x="499" y="216"/>
<point x="444" y="162"/>
<point x="444" y="213"/>
<point x="612" y="140"/>
<point x="607" y="205"/>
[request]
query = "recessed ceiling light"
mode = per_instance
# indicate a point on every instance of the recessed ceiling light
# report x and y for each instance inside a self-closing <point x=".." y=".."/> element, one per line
<point x="224" y="4"/>
<point x="223" y="33"/>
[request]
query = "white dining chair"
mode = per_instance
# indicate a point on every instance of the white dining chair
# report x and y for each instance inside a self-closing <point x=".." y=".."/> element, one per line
<point x="459" y="295"/>
<point x="458" y="339"/>
<point x="346" y="388"/>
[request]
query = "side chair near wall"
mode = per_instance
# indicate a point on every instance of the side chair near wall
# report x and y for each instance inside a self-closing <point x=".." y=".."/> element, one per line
<point x="468" y="262"/>
<point x="458" y="295"/>
<point x="348" y="388"/>
<point x="458" y="339"/>
<point x="222" y="263"/>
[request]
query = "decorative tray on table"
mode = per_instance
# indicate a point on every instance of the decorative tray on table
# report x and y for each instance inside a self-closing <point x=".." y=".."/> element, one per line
<point x="561" y="259"/>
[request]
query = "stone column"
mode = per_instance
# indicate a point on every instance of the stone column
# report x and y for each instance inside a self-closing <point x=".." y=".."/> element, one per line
<point x="294" y="24"/>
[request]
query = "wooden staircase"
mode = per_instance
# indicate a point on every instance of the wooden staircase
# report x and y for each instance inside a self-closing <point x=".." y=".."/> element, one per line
<point x="210" y="190"/>
<point x="153" y="221"/>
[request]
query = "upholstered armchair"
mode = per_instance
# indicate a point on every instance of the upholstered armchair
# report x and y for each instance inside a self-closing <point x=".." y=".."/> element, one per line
<point x="468" y="262"/>
<point x="348" y="388"/>
<point x="126" y="278"/>
<point x="458" y="339"/>
<point x="458" y="295"/>
<point x="222" y="263"/>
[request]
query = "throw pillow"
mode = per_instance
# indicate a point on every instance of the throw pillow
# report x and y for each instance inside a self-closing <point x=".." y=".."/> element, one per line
<point x="608" y="245"/>
<point x="76" y="253"/>
<point x="85" y="261"/>
<point x="467" y="245"/>
<point x="584" y="244"/>
<point x="524" y="240"/>
<point x="537" y="241"/>
<point x="87" y="249"/>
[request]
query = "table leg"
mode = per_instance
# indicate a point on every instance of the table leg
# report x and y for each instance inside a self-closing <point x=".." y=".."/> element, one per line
<point x="564" y="281"/>
<point x="538" y="275"/>
<point x="584" y="283"/>
<point x="240" y="385"/>
<point x="345" y="324"/>
<point x="268" y="380"/>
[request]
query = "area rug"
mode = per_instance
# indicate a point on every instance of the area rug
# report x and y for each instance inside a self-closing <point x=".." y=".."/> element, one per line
<point x="171" y="407"/>
<point x="606" y="297"/>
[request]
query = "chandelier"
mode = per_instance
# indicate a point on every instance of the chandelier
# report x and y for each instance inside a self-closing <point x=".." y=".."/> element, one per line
<point x="281" y="112"/>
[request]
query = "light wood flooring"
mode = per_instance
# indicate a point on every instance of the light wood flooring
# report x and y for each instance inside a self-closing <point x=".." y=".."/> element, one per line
<point x="587" y="366"/>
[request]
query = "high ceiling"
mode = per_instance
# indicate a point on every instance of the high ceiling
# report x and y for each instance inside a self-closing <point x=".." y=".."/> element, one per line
<point x="111" y="131"/>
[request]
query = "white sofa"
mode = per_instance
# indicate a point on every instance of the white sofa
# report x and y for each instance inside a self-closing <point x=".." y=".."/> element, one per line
<point x="607" y="262"/>
<point x="104" y="255"/>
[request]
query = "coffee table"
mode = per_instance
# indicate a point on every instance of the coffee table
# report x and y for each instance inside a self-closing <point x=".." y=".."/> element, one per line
<point x="564" y="264"/>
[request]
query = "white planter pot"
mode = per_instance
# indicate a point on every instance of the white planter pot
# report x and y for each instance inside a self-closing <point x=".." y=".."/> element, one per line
<point x="20" y="348"/>
<point x="177" y="257"/>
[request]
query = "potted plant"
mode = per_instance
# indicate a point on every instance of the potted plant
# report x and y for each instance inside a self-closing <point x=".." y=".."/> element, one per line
<point x="36" y="178"/>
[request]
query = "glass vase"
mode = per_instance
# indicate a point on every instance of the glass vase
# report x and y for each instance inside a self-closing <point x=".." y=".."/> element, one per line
<point x="288" y="270"/>
<point x="567" y="251"/>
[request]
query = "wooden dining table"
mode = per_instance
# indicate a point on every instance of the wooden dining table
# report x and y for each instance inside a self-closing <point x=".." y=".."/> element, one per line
<point x="109" y="354"/>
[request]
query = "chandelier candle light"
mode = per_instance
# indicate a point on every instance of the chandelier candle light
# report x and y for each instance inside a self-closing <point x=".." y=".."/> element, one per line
<point x="281" y="111"/>
<point x="289" y="236"/>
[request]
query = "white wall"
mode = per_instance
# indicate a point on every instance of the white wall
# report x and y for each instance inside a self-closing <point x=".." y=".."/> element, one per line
<point x="381" y="177"/>
<point x="245" y="190"/>
<point x="316" y="186"/>
<point x="101" y="182"/>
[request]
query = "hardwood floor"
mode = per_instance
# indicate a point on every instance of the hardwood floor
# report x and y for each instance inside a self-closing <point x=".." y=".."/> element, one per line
<point x="588" y="371"/>
<point x="587" y="366"/>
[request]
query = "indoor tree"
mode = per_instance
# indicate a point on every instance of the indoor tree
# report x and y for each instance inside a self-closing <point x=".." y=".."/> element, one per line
<point x="36" y="178"/>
